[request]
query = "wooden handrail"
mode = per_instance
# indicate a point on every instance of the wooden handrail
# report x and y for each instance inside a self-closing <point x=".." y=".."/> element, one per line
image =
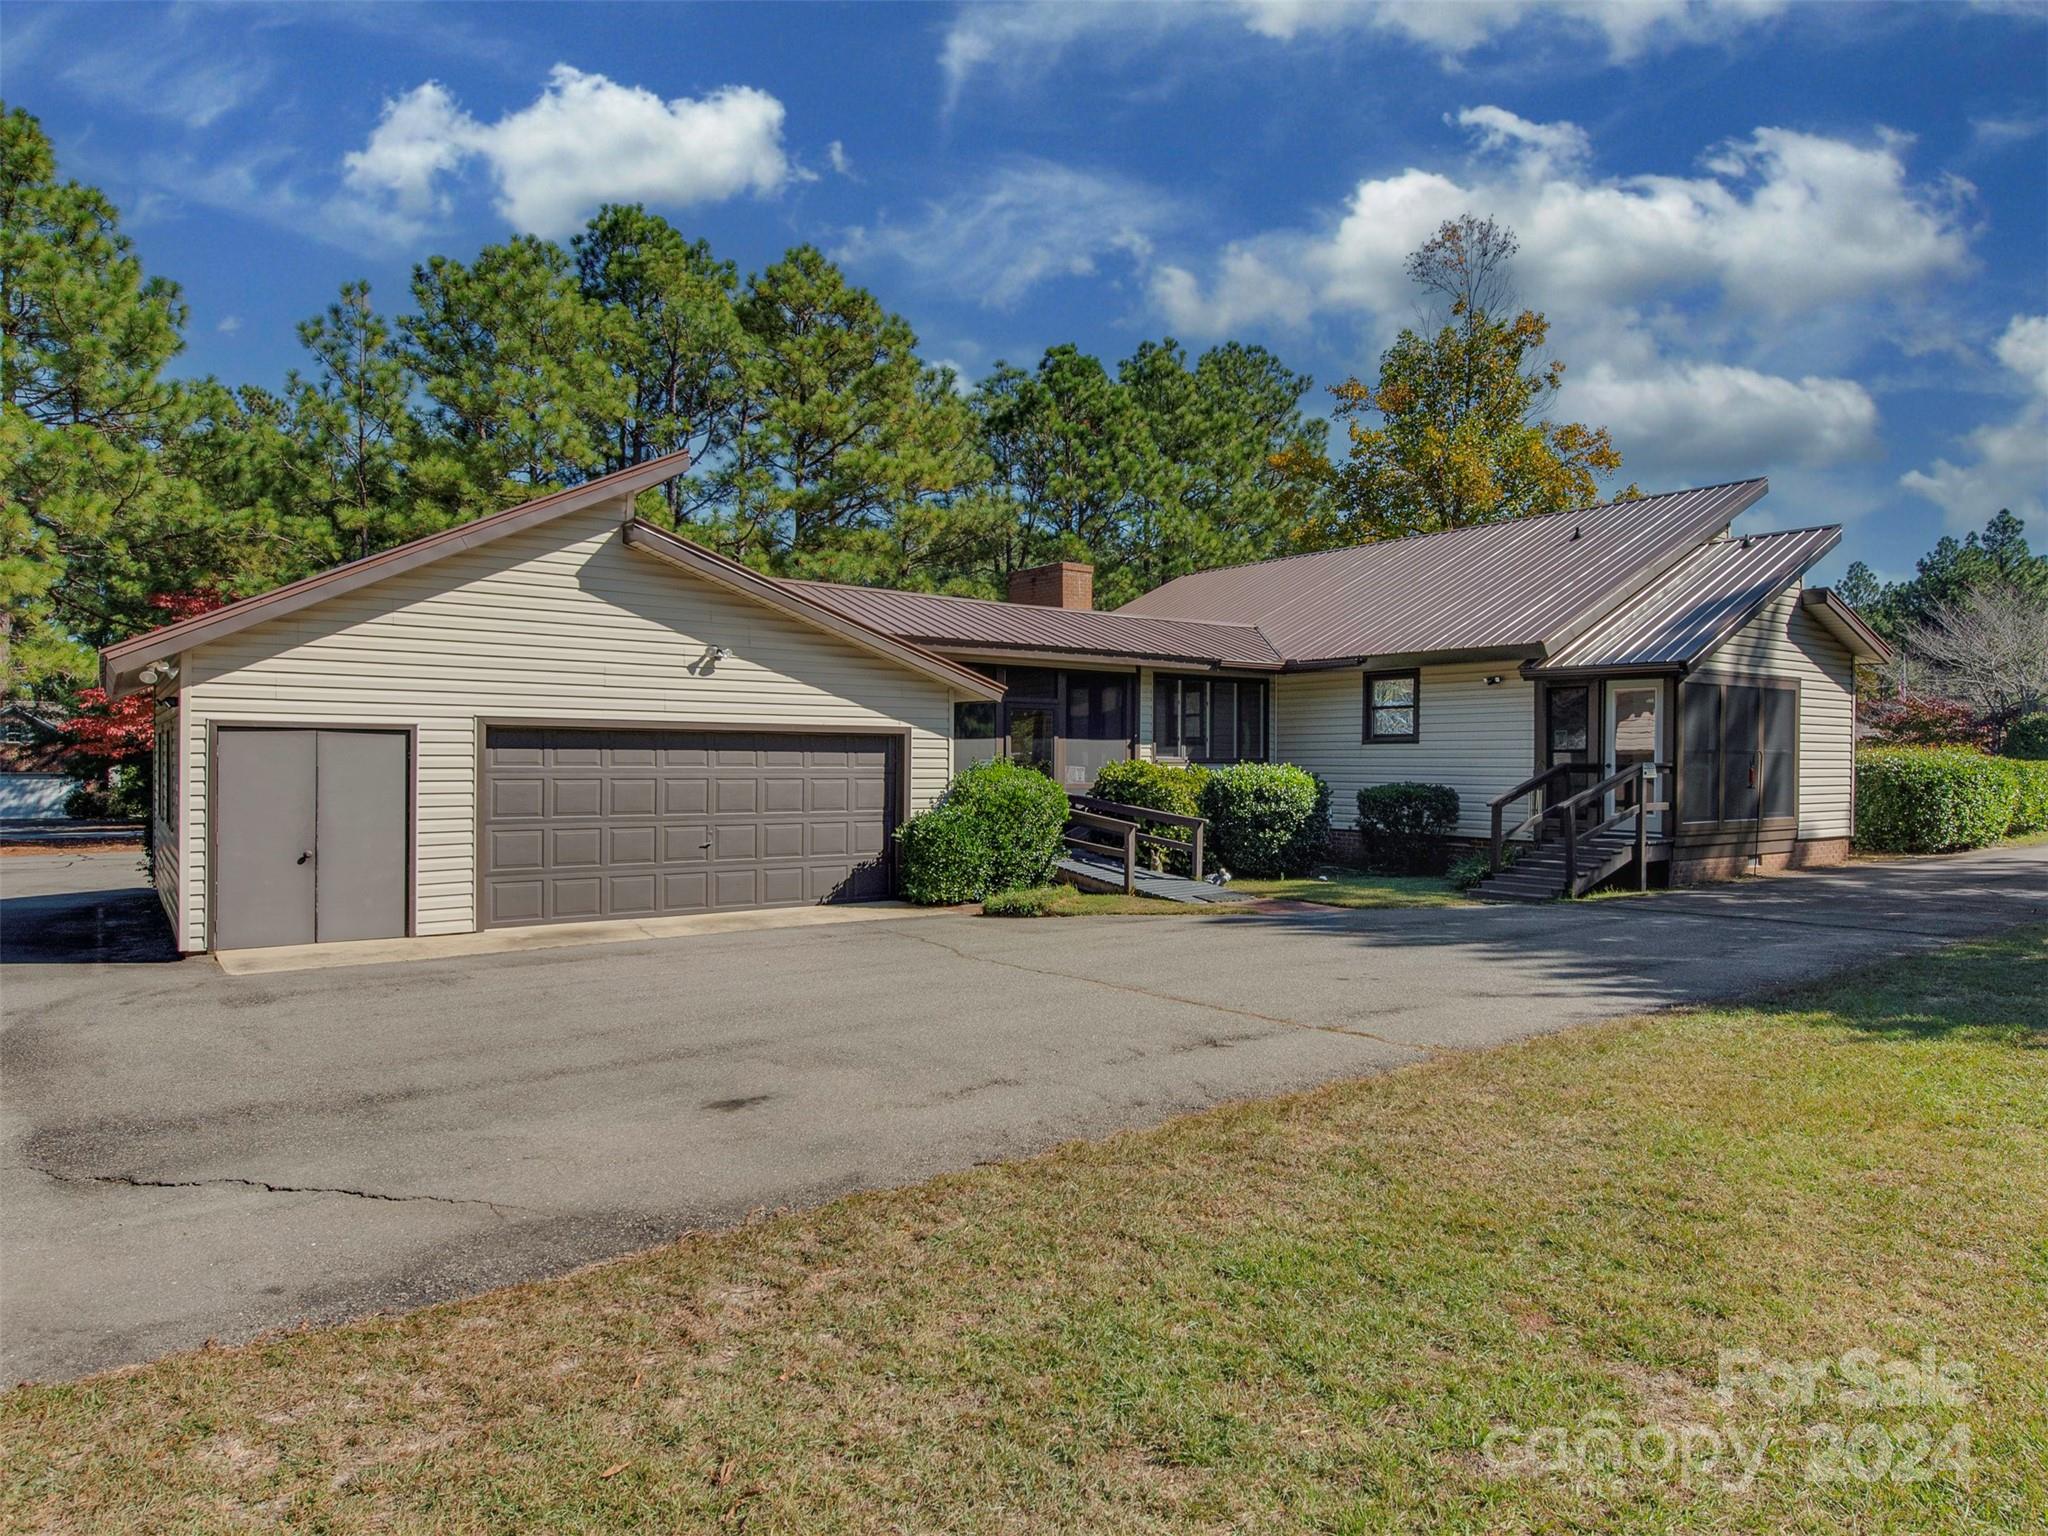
<point x="1098" y="812"/>
<point x="1499" y="804"/>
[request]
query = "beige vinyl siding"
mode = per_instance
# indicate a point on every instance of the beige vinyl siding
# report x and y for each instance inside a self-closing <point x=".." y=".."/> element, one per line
<point x="560" y="622"/>
<point x="1784" y="640"/>
<point x="1477" y="738"/>
<point x="163" y="835"/>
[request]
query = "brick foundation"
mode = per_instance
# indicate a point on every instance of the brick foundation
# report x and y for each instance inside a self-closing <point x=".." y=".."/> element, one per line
<point x="1809" y="853"/>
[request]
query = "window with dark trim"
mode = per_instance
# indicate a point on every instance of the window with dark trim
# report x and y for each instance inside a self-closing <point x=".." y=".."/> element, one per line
<point x="1209" y="719"/>
<point x="1393" y="706"/>
<point x="1738" y="752"/>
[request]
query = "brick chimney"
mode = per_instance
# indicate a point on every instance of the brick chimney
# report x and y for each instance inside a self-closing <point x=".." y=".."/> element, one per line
<point x="1063" y="584"/>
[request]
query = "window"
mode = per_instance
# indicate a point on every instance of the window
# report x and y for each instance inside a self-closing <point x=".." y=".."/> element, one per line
<point x="975" y="721"/>
<point x="164" y="765"/>
<point x="1393" y="706"/>
<point x="1097" y="707"/>
<point x="1209" y="719"/>
<point x="16" y="733"/>
<point x="1738" y="757"/>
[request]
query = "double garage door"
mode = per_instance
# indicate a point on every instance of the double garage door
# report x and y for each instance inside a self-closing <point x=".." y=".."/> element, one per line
<point x="582" y="823"/>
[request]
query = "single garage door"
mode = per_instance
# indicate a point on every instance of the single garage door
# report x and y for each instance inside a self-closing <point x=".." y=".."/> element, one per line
<point x="582" y="824"/>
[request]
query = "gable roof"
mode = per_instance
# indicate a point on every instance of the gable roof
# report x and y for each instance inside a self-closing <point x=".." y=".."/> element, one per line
<point x="784" y="595"/>
<point x="1701" y="601"/>
<point x="121" y="664"/>
<point x="981" y="624"/>
<point x="1522" y="586"/>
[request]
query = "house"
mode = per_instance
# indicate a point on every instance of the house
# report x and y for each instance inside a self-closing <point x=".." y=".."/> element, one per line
<point x="562" y="713"/>
<point x="35" y="780"/>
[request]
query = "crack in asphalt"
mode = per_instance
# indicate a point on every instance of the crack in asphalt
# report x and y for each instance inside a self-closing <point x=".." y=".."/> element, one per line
<point x="132" y="1181"/>
<point x="1162" y="997"/>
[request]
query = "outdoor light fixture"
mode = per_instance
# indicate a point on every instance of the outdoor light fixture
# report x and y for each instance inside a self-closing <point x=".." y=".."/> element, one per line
<point x="1494" y="681"/>
<point x="721" y="653"/>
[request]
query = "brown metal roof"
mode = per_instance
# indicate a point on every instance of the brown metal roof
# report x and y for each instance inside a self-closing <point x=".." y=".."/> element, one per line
<point x="121" y="663"/>
<point x="1845" y="623"/>
<point x="1697" y="604"/>
<point x="980" y="624"/>
<point x="1506" y="587"/>
<point x="786" y="596"/>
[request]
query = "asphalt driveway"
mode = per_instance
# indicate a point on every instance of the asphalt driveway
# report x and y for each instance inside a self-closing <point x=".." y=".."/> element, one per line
<point x="191" y="1156"/>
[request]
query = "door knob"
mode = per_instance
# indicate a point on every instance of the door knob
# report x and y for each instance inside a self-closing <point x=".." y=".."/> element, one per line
<point x="305" y="856"/>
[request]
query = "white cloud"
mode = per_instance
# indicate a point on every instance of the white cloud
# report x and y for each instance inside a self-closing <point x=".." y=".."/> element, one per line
<point x="1025" y="224"/>
<point x="2008" y="460"/>
<point x="228" y="324"/>
<point x="1689" y="421"/>
<point x="838" y="159"/>
<point x="1022" y="41"/>
<point x="1776" y="224"/>
<point x="583" y="141"/>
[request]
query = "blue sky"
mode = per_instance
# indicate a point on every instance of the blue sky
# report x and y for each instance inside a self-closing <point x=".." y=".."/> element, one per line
<point x="1802" y="240"/>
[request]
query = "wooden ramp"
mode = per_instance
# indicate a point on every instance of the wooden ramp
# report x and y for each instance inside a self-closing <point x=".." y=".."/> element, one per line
<point x="1086" y="872"/>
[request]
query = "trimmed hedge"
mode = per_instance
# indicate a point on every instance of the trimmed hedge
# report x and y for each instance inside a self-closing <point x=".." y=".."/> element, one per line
<point x="1935" y="799"/>
<point x="2030" y="795"/>
<point x="1156" y="787"/>
<point x="1267" y="820"/>
<point x="2028" y="738"/>
<point x="1403" y="826"/>
<point x="996" y="828"/>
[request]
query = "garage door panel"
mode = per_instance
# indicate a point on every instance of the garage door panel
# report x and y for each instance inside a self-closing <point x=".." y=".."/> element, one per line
<point x="632" y="845"/>
<point x="685" y="797"/>
<point x="638" y="823"/>
<point x="576" y="847"/>
<point x="517" y="797"/>
<point x="685" y="843"/>
<point x="576" y="797"/>
<point x="518" y="850"/>
<point x="580" y="897"/>
<point x="517" y="901"/>
<point x="632" y="797"/>
<point x="631" y="896"/>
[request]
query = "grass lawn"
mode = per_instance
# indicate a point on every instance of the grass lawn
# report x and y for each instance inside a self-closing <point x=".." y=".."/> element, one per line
<point x="1351" y="889"/>
<point x="1299" y="1314"/>
<point x="1065" y="901"/>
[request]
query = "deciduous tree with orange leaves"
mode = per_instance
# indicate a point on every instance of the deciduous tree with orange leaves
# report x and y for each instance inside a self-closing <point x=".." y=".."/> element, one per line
<point x="1453" y="433"/>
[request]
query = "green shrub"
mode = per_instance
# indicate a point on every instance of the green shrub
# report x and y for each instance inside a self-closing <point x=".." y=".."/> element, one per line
<point x="1932" y="799"/>
<point x="126" y="800"/>
<point x="2030" y="795"/>
<point x="1033" y="901"/>
<point x="1267" y="819"/>
<point x="1403" y="826"/>
<point x="996" y="828"/>
<point x="1156" y="787"/>
<point x="2028" y="738"/>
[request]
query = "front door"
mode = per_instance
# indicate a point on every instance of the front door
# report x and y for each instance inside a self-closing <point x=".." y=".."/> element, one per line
<point x="1635" y="730"/>
<point x="1568" y="741"/>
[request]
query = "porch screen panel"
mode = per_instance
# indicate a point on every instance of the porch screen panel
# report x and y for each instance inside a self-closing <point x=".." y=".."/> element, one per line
<point x="1780" y="759"/>
<point x="1740" y="760"/>
<point x="1166" y="716"/>
<point x="1251" y="722"/>
<point x="1223" y="718"/>
<point x="1699" y="770"/>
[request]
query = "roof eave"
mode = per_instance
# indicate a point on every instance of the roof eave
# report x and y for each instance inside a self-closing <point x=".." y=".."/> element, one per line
<point x="1846" y="624"/>
<point x="730" y="574"/>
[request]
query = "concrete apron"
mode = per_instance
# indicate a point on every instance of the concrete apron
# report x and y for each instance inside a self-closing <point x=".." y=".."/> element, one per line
<point x="503" y="941"/>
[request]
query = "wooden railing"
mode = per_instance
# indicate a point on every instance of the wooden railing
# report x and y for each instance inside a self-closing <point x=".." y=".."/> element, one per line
<point x="1642" y="776"/>
<point x="1128" y="832"/>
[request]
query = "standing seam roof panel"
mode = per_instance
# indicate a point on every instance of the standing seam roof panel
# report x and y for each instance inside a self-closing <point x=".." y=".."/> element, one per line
<point x="1500" y="586"/>
<point x="1704" y="599"/>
